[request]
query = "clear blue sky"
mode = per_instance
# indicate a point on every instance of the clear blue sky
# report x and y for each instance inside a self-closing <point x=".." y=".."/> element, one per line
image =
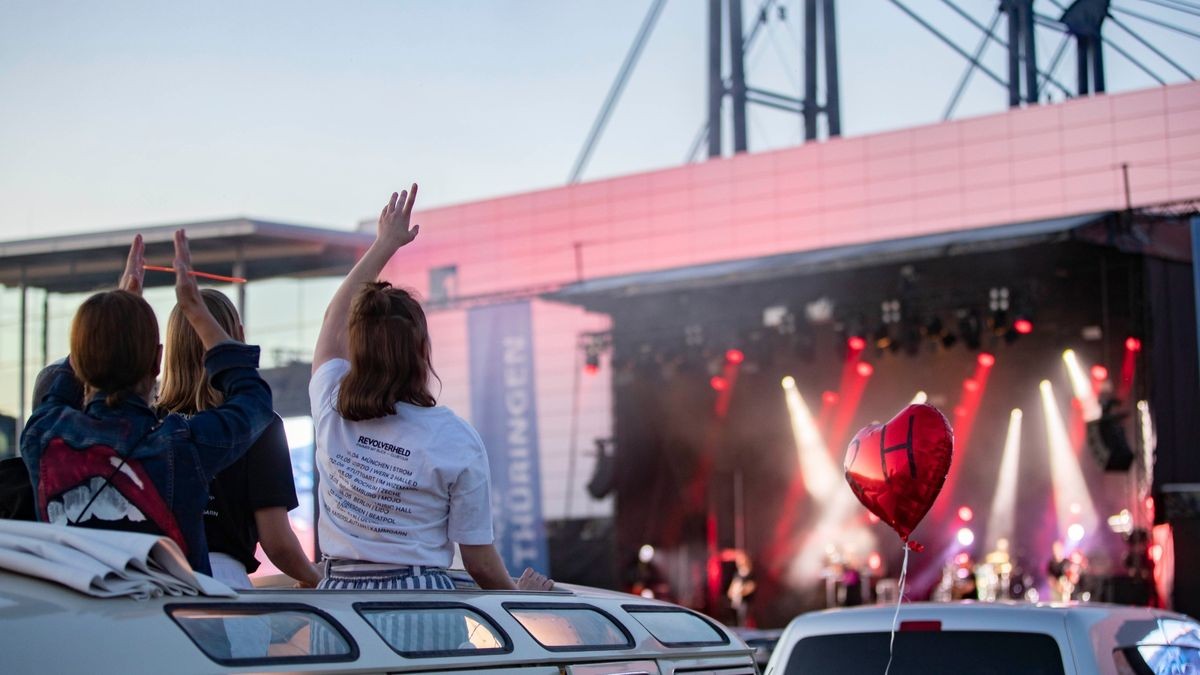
<point x="124" y="112"/>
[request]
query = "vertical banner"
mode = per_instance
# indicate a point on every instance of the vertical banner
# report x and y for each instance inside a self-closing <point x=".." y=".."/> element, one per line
<point x="504" y="411"/>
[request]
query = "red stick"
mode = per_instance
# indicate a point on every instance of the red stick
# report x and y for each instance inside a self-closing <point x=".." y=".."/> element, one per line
<point x="202" y="275"/>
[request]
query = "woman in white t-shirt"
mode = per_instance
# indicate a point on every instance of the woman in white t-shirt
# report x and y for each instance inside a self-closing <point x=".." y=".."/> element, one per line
<point x="402" y="480"/>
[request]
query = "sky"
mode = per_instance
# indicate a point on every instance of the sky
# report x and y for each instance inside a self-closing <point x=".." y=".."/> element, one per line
<point x="118" y="113"/>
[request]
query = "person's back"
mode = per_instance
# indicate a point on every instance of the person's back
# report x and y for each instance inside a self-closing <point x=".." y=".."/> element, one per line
<point x="402" y="480"/>
<point x="401" y="487"/>
<point x="248" y="500"/>
<point x="99" y="456"/>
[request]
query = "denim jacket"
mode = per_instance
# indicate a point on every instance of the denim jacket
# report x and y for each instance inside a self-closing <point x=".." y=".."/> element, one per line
<point x="156" y="469"/>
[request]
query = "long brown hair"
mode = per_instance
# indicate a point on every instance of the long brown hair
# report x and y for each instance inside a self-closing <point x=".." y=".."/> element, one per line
<point x="185" y="387"/>
<point x="114" y="344"/>
<point x="390" y="355"/>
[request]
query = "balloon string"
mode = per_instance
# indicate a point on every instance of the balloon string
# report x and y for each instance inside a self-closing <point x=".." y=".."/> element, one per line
<point x="896" y="616"/>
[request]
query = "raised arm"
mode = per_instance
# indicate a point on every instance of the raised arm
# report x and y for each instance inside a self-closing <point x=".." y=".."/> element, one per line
<point x="135" y="267"/>
<point x="393" y="232"/>
<point x="57" y="381"/>
<point x="187" y="295"/>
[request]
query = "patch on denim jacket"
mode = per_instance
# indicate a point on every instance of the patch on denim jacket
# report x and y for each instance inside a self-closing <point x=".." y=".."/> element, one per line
<point x="93" y="487"/>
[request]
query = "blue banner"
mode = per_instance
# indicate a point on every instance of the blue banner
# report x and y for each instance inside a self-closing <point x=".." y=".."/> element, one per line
<point x="504" y="411"/>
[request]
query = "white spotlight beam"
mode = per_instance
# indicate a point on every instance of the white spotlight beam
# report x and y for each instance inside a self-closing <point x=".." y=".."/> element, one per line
<point x="821" y="476"/>
<point x="1081" y="385"/>
<point x="838" y="525"/>
<point x="1149" y="444"/>
<point x="1002" y="518"/>
<point x="1065" y="473"/>
<point x="921" y="397"/>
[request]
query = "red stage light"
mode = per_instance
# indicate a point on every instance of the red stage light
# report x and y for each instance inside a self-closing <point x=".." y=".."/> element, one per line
<point x="986" y="360"/>
<point x="735" y="356"/>
<point x="1133" y="344"/>
<point x="971" y="384"/>
<point x="719" y="383"/>
<point x="965" y="514"/>
<point x="856" y="343"/>
<point x="960" y="411"/>
<point x="1023" y="326"/>
<point x="1099" y="372"/>
<point x="864" y="369"/>
<point x="830" y="397"/>
<point x="591" y="368"/>
<point x="962" y="559"/>
<point x="874" y="561"/>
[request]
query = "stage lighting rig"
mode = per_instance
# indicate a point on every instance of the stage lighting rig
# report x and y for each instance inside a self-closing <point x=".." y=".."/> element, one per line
<point x="998" y="305"/>
<point x="969" y="328"/>
<point x="883" y="337"/>
<point x="819" y="311"/>
<point x="593" y="346"/>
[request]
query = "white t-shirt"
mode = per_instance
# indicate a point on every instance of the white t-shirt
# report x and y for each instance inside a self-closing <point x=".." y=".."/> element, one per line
<point x="397" y="489"/>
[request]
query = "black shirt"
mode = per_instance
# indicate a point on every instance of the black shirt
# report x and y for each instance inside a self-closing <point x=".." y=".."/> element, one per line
<point x="261" y="479"/>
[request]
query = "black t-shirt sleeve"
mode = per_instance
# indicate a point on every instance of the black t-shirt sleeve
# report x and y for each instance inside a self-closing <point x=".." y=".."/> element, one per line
<point x="269" y="470"/>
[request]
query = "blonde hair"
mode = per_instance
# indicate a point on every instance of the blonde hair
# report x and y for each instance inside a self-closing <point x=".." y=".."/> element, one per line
<point x="390" y="355"/>
<point x="185" y="387"/>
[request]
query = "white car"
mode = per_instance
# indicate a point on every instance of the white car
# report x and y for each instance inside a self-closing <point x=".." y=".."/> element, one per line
<point x="976" y="638"/>
<point x="187" y="623"/>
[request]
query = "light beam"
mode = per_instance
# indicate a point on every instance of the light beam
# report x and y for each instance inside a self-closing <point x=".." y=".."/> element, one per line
<point x="1072" y="501"/>
<point x="1002" y="517"/>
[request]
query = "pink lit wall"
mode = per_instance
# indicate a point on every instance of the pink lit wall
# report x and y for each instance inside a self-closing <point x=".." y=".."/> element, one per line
<point x="1037" y="162"/>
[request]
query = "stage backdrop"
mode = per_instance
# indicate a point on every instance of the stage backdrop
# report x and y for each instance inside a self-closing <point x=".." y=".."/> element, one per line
<point x="504" y="411"/>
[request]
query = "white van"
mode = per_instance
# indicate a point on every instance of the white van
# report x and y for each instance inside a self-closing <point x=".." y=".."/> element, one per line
<point x="970" y="638"/>
<point x="160" y="617"/>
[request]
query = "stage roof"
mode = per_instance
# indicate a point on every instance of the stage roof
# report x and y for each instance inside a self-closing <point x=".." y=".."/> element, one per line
<point x="943" y="244"/>
<point x="253" y="249"/>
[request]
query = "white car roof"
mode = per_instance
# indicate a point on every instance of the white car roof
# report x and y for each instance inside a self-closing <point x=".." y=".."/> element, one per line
<point x="45" y="627"/>
<point x="967" y="614"/>
<point x="1087" y="633"/>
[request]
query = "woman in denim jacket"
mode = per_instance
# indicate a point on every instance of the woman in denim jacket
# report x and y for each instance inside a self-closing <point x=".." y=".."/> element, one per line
<point x="98" y="454"/>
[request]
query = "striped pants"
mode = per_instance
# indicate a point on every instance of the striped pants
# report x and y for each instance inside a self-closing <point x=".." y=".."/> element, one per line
<point x="407" y="630"/>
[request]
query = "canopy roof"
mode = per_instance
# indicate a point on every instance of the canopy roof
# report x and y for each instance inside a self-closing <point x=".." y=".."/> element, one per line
<point x="252" y="249"/>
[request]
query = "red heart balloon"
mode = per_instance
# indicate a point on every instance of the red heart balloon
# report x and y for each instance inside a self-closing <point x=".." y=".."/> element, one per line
<point x="897" y="469"/>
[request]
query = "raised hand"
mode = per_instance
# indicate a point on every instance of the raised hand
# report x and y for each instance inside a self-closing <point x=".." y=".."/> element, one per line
<point x="135" y="268"/>
<point x="394" y="220"/>
<point x="534" y="581"/>
<point x="187" y="293"/>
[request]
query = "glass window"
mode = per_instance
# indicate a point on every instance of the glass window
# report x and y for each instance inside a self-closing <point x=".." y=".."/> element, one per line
<point x="916" y="653"/>
<point x="569" y="627"/>
<point x="434" y="629"/>
<point x="676" y="627"/>
<point x="244" y="634"/>
<point x="1177" y="632"/>
<point x="1159" y="659"/>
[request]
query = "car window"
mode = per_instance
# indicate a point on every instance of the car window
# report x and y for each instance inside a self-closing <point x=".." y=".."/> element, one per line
<point x="1158" y="660"/>
<point x="434" y="629"/>
<point x="1176" y="632"/>
<point x="676" y="627"/>
<point x="917" y="653"/>
<point x="240" y="634"/>
<point x="566" y="627"/>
